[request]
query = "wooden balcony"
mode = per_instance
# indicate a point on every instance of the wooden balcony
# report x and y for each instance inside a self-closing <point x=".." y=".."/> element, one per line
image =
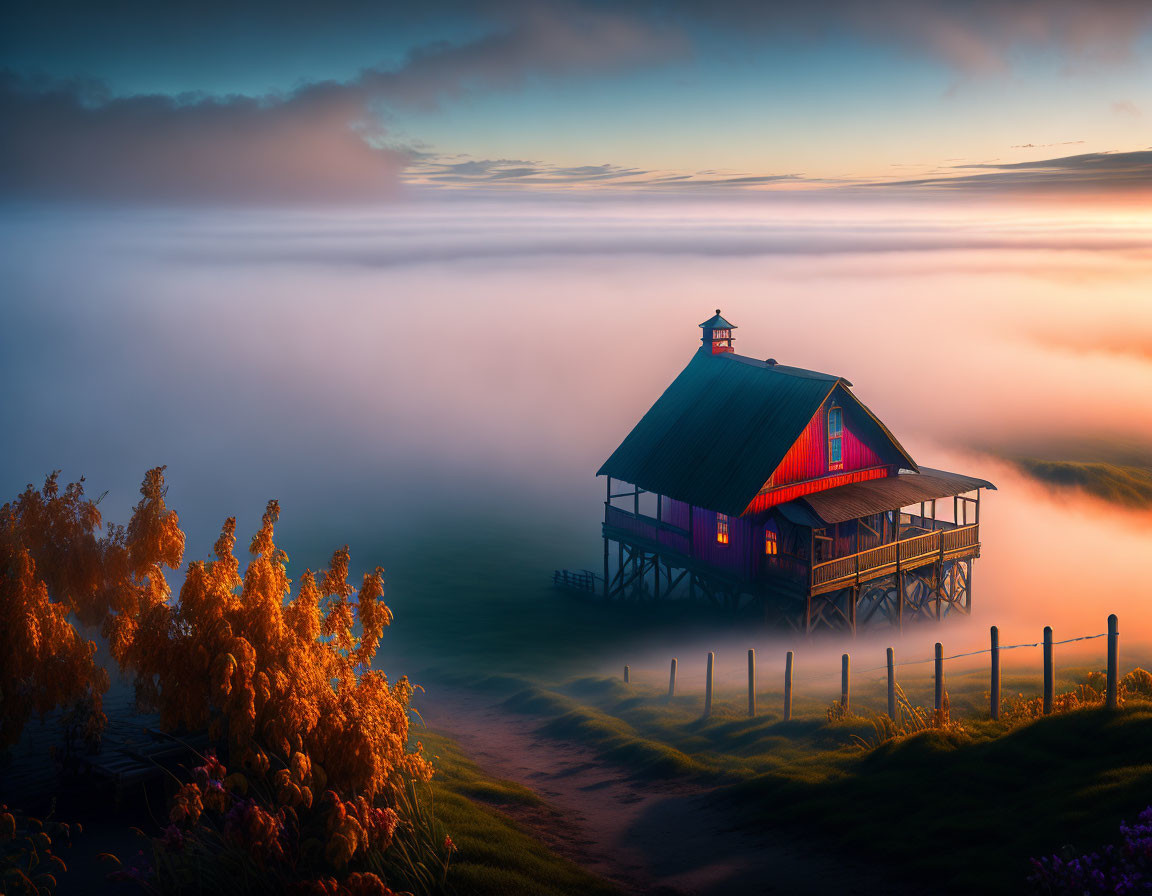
<point x="907" y="553"/>
<point x="654" y="534"/>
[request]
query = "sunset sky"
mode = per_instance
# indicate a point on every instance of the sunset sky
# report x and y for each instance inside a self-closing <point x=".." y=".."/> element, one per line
<point x="356" y="101"/>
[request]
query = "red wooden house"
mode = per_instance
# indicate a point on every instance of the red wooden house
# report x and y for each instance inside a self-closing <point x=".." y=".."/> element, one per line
<point x="749" y="482"/>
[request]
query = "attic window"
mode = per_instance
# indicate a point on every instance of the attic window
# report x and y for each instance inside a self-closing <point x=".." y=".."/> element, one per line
<point x="722" y="528"/>
<point x="835" y="436"/>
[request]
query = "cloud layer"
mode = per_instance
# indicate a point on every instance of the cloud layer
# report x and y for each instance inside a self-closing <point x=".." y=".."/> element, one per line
<point x="329" y="141"/>
<point x="321" y="142"/>
<point x="1097" y="173"/>
<point x="503" y="174"/>
<point x="312" y="145"/>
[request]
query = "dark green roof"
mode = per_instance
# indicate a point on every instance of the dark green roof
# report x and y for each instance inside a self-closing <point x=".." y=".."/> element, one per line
<point x="717" y="433"/>
<point x="717" y="323"/>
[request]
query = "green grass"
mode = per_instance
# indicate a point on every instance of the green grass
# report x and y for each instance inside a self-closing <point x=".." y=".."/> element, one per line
<point x="490" y="607"/>
<point x="940" y="812"/>
<point x="495" y="855"/>
<point x="966" y="811"/>
<point x="955" y="811"/>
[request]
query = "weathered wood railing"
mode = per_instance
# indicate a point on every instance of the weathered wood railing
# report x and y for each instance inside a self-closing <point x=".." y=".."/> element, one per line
<point x="576" y="580"/>
<point x="907" y="553"/>
<point x="654" y="530"/>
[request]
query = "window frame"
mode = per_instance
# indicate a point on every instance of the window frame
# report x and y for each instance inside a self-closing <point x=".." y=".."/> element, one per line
<point x="837" y="438"/>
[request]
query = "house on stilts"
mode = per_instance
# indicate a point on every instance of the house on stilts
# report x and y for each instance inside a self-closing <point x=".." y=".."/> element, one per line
<point x="753" y="484"/>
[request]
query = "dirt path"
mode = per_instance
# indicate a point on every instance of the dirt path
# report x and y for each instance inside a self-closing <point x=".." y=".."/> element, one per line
<point x="647" y="838"/>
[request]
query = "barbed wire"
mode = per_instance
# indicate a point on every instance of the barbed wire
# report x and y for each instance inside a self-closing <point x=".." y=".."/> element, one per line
<point x="954" y="656"/>
<point x="957" y="656"/>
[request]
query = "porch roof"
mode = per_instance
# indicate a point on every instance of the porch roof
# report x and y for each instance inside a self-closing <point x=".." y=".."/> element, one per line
<point x="859" y="499"/>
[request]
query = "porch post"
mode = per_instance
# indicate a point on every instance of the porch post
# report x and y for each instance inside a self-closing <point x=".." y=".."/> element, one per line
<point x="607" y="504"/>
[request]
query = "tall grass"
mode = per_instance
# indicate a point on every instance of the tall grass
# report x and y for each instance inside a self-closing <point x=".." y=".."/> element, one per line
<point x="910" y="719"/>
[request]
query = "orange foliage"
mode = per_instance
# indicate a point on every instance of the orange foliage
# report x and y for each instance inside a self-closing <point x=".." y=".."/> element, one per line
<point x="235" y="653"/>
<point x="50" y="568"/>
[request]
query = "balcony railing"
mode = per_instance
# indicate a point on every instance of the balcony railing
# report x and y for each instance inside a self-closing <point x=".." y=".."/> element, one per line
<point x="658" y="531"/>
<point x="907" y="553"/>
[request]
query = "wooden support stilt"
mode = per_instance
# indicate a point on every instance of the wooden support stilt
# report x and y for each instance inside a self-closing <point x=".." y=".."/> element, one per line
<point x="672" y="680"/>
<point x="899" y="598"/>
<point x="620" y="567"/>
<point x="605" y="568"/>
<point x="607" y="504"/>
<point x="627" y="674"/>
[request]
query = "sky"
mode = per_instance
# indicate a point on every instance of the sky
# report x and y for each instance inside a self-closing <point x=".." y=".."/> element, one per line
<point x="355" y="101"/>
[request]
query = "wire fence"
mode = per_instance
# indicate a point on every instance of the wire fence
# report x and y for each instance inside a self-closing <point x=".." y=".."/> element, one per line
<point x="939" y="659"/>
<point x="957" y="656"/>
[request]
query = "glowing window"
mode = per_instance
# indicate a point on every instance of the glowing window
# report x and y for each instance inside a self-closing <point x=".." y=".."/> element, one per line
<point x="835" y="436"/>
<point x="722" y="528"/>
<point x="770" y="545"/>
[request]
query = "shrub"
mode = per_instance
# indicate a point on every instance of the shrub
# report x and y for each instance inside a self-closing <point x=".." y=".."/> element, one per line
<point x="50" y="570"/>
<point x="29" y="863"/>
<point x="1089" y="692"/>
<point x="277" y="830"/>
<point x="1019" y="709"/>
<point x="1137" y="685"/>
<point x="266" y="672"/>
<point x="909" y="720"/>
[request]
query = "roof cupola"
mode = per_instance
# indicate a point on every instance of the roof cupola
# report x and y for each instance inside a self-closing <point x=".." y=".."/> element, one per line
<point x="717" y="336"/>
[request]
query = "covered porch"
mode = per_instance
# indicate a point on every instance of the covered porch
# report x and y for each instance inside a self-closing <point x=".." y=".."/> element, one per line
<point x="897" y="546"/>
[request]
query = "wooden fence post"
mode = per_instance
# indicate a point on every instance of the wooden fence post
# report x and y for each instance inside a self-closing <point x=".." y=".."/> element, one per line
<point x="788" y="687"/>
<point x="1113" y="661"/>
<point x="708" y="685"/>
<point x="672" y="680"/>
<point x="627" y="674"/>
<point x="891" y="685"/>
<point x="1049" y="672"/>
<point x="845" y="667"/>
<point x="751" y="683"/>
<point x="994" y="685"/>
<point x="939" y="679"/>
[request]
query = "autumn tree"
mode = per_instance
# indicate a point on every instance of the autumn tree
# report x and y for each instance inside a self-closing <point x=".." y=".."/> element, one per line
<point x="263" y="669"/>
<point x="56" y="571"/>
<point x="236" y="653"/>
<point x="282" y="682"/>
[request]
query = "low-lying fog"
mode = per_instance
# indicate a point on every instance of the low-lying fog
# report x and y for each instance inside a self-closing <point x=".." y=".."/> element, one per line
<point x="419" y="381"/>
